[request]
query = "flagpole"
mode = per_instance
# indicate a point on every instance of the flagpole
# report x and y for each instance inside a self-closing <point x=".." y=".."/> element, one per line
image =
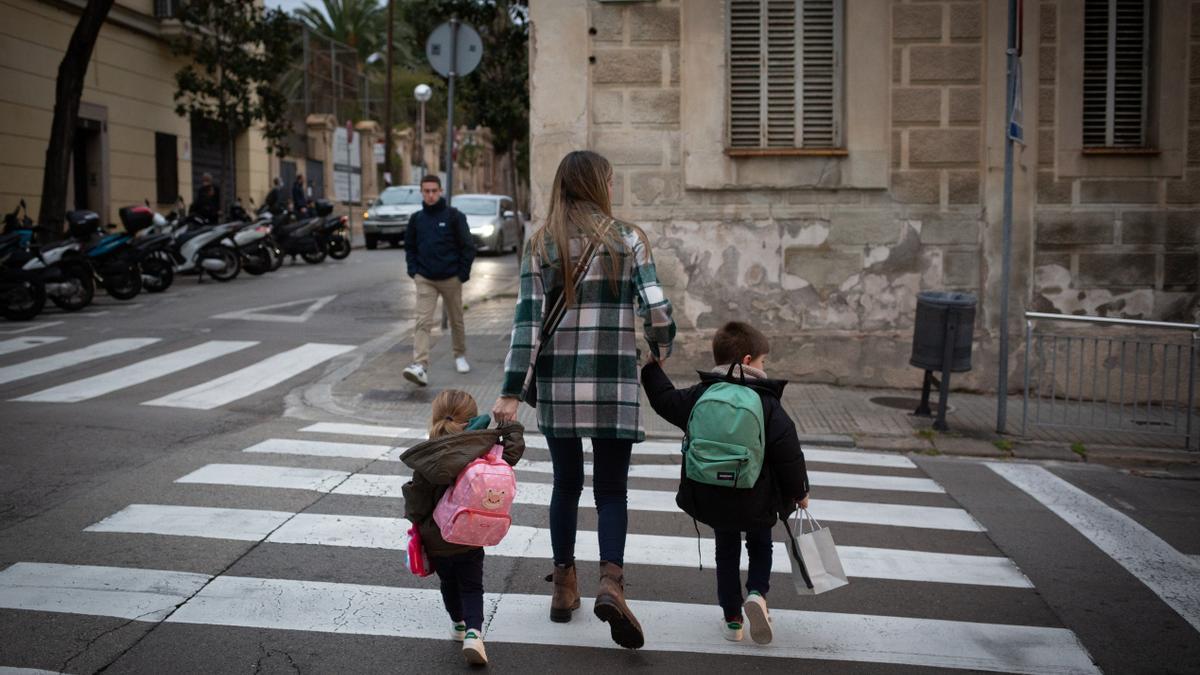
<point x="1006" y="260"/>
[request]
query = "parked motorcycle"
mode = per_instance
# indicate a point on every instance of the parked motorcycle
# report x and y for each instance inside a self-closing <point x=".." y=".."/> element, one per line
<point x="150" y="250"/>
<point x="59" y="267"/>
<point x="112" y="256"/>
<point x="252" y="240"/>
<point x="198" y="246"/>
<point x="335" y="233"/>
<point x="300" y="238"/>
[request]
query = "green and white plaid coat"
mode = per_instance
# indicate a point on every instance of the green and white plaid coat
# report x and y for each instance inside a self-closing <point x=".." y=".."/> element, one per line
<point x="587" y="376"/>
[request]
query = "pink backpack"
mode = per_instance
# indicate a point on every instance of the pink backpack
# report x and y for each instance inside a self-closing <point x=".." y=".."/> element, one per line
<point x="475" y="511"/>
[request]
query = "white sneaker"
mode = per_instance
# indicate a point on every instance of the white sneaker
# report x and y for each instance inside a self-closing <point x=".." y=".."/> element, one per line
<point x="731" y="630"/>
<point x="461" y="364"/>
<point x="759" y="619"/>
<point x="473" y="650"/>
<point x="458" y="631"/>
<point x="416" y="374"/>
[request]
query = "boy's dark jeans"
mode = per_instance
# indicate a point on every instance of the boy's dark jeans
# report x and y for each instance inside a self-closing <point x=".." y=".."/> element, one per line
<point x="729" y="575"/>
<point x="610" y="476"/>
<point x="462" y="586"/>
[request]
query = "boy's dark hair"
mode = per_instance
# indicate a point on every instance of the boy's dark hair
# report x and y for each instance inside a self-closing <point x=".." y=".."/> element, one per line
<point x="737" y="339"/>
<point x="430" y="178"/>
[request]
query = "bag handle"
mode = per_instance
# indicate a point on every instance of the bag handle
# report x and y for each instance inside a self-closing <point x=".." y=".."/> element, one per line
<point x="796" y="553"/>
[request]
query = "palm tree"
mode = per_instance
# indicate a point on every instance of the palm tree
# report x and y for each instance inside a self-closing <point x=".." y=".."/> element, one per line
<point x="361" y="24"/>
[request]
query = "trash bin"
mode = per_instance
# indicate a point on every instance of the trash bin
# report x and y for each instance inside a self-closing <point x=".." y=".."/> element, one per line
<point x="938" y="311"/>
<point x="942" y="335"/>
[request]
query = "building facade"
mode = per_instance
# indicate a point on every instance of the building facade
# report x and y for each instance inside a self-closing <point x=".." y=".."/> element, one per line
<point x="812" y="166"/>
<point x="130" y="145"/>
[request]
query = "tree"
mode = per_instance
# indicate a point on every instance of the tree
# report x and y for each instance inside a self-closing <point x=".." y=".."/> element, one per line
<point x="357" y="23"/>
<point x="68" y="90"/>
<point x="237" y="53"/>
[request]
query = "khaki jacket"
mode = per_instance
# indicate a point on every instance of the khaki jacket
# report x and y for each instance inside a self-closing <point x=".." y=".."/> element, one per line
<point x="437" y="462"/>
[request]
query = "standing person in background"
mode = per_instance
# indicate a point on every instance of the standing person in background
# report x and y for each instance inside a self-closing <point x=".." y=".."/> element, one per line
<point x="587" y="372"/>
<point x="275" y="196"/>
<point x="208" y="199"/>
<point x="439" y="250"/>
<point x="299" y="200"/>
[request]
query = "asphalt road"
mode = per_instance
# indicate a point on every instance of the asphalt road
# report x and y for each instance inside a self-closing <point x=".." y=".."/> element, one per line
<point x="166" y="506"/>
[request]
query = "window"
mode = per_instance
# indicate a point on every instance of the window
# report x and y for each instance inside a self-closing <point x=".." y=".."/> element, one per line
<point x="785" y="74"/>
<point x="1116" y="73"/>
<point x="166" y="168"/>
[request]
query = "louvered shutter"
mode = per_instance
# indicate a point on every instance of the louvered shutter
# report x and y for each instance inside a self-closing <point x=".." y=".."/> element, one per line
<point x="785" y="73"/>
<point x="1116" y="50"/>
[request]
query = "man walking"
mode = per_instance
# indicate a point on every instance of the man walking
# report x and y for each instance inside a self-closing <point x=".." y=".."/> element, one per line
<point x="439" y="250"/>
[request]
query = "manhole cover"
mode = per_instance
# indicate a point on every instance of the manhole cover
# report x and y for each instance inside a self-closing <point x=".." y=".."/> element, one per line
<point x="907" y="404"/>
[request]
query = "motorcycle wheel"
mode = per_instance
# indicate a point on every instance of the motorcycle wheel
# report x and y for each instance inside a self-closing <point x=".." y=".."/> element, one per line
<point x="157" y="274"/>
<point x="126" y="284"/>
<point x="233" y="262"/>
<point x="339" y="247"/>
<point x="79" y="275"/>
<point x="23" y="302"/>
<point x="258" y="262"/>
<point x="317" y="256"/>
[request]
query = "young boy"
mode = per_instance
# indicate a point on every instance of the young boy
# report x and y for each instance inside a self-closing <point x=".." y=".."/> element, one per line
<point x="739" y="351"/>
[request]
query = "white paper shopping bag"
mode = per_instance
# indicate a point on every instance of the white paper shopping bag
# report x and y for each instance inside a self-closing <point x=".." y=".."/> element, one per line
<point x="816" y="567"/>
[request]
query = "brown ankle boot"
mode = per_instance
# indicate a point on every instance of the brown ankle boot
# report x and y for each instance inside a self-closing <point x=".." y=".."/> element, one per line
<point x="611" y="608"/>
<point x="566" y="593"/>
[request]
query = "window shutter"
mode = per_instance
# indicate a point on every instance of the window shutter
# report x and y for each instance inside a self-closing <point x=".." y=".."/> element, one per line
<point x="784" y="73"/>
<point x="166" y="168"/>
<point x="1115" y="73"/>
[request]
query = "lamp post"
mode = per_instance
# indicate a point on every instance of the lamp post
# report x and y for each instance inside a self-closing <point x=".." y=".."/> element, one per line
<point x="422" y="92"/>
<point x="387" y="103"/>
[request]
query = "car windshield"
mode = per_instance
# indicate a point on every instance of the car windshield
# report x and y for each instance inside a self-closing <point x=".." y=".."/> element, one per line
<point x="399" y="195"/>
<point x="475" y="206"/>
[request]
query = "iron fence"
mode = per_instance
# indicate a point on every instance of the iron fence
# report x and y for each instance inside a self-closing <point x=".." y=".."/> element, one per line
<point x="1116" y="382"/>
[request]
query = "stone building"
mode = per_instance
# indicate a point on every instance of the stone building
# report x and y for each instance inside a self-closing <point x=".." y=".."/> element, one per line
<point x="812" y="166"/>
<point x="130" y="145"/>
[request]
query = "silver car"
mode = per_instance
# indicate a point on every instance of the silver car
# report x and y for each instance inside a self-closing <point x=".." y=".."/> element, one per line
<point x="494" y="222"/>
<point x="387" y="217"/>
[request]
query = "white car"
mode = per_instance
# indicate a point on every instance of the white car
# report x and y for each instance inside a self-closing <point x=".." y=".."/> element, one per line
<point x="387" y="217"/>
<point x="494" y="222"/>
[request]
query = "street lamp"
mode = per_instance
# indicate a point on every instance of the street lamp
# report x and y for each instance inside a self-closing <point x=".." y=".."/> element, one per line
<point x="423" y="93"/>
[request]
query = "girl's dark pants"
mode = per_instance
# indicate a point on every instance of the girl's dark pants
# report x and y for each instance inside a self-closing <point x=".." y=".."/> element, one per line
<point x="609" y="479"/>
<point x="462" y="586"/>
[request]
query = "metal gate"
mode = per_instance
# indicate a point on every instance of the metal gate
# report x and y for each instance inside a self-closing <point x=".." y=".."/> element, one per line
<point x="206" y="156"/>
<point x="314" y="174"/>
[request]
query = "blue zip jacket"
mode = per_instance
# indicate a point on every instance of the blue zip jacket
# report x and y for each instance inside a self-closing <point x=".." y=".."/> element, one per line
<point x="438" y="243"/>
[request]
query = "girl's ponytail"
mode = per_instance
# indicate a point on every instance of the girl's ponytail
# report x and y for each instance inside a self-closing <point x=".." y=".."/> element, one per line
<point x="452" y="410"/>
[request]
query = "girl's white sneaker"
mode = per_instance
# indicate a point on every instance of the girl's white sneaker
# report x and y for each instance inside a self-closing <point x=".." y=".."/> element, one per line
<point x="472" y="648"/>
<point x="731" y="629"/>
<point x="759" y="619"/>
<point x="458" y="631"/>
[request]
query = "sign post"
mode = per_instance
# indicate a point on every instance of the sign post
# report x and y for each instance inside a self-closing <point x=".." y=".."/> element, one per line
<point x="453" y="49"/>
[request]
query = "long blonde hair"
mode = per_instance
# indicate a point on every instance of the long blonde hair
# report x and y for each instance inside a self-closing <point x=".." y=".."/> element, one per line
<point x="452" y="410"/>
<point x="580" y="205"/>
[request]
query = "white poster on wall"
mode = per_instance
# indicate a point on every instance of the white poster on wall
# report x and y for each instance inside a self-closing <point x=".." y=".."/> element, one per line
<point x="347" y="166"/>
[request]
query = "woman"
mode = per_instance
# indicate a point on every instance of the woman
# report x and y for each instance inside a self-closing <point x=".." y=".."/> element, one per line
<point x="587" y="372"/>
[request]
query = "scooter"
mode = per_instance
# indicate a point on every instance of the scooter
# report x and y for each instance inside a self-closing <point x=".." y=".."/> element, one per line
<point x="299" y="238"/>
<point x="150" y="250"/>
<point x="258" y="253"/>
<point x="111" y="256"/>
<point x="59" y="267"/>
<point x="335" y="235"/>
<point x="197" y="247"/>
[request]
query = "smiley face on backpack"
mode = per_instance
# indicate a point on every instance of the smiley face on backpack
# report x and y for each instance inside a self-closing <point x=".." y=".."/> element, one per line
<point x="494" y="499"/>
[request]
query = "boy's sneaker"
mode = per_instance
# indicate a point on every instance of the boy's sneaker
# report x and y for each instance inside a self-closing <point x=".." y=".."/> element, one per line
<point x="458" y="631"/>
<point x="758" y="618"/>
<point x="416" y="374"/>
<point x="472" y="648"/>
<point x="731" y="629"/>
<point x="461" y="365"/>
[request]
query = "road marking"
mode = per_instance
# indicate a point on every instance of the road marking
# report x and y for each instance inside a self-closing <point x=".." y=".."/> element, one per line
<point x="28" y="329"/>
<point x="532" y="542"/>
<point x="137" y="373"/>
<point x="1172" y="576"/>
<point x="127" y="593"/>
<point x="538" y="494"/>
<point x="263" y="313"/>
<point x="252" y="379"/>
<point x="365" y="430"/>
<point x="23" y="343"/>
<point x="285" y="446"/>
<point x="8" y="670"/>
<point x="49" y="364"/>
<point x="359" y="609"/>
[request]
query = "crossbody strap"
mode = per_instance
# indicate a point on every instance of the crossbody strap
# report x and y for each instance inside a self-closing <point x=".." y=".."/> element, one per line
<point x="559" y="309"/>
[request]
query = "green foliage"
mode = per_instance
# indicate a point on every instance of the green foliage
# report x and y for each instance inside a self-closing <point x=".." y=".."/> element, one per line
<point x="236" y="54"/>
<point x="361" y="24"/>
<point x="1003" y="445"/>
<point x="926" y="434"/>
<point x="1078" y="449"/>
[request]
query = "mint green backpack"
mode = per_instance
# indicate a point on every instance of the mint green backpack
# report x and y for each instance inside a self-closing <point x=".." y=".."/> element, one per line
<point x="725" y="437"/>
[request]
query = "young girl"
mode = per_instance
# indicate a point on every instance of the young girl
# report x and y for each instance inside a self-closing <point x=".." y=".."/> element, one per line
<point x="457" y="436"/>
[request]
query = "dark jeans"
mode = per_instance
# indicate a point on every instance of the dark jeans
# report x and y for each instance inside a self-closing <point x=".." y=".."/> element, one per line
<point x="462" y="586"/>
<point x="609" y="478"/>
<point x="729" y="575"/>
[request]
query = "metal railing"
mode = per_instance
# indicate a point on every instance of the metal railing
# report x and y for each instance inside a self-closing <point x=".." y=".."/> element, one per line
<point x="1116" y="383"/>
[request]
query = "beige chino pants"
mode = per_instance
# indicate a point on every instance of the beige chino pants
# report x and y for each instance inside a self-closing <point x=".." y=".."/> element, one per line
<point x="428" y="291"/>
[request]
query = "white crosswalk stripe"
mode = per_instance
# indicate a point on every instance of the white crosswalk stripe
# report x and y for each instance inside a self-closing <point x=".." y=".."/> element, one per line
<point x="48" y="364"/>
<point x="251" y="379"/>
<point x="23" y="343"/>
<point x="356" y="609"/>
<point x="137" y="373"/>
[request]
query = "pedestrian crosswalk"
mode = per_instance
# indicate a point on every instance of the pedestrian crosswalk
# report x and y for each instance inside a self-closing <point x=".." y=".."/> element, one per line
<point x="202" y="366"/>
<point x="250" y="497"/>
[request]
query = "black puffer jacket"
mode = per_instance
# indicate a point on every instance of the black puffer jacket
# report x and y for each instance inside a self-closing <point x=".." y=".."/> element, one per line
<point x="783" y="480"/>
<point x="438" y="243"/>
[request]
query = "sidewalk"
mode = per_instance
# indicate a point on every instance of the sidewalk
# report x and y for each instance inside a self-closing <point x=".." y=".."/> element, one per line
<point x="824" y="414"/>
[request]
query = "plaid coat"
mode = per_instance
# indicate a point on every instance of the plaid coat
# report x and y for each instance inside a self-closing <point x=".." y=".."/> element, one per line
<point x="587" y="375"/>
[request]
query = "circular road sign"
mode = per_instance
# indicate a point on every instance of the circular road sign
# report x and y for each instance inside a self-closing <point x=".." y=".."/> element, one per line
<point x="469" y="51"/>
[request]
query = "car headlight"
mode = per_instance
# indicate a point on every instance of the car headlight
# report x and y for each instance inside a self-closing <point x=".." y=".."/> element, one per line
<point x="484" y="231"/>
<point x="366" y="214"/>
